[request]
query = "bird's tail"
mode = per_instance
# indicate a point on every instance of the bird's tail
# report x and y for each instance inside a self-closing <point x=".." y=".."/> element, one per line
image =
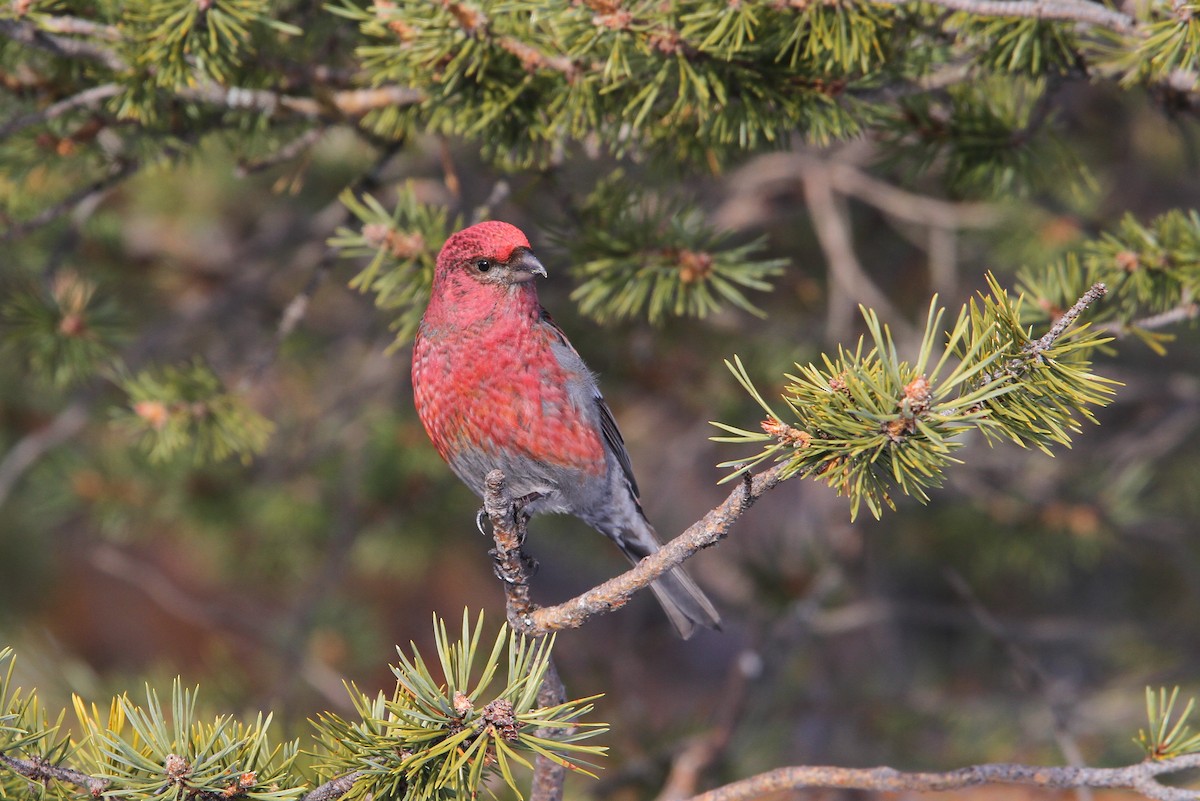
<point x="685" y="604"/>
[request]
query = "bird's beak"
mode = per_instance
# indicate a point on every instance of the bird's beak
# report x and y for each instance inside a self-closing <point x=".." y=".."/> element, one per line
<point x="523" y="266"/>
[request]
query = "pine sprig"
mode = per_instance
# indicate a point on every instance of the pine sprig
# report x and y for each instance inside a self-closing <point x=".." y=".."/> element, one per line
<point x="150" y="752"/>
<point x="1150" y="269"/>
<point x="186" y="408"/>
<point x="65" y="333"/>
<point x="402" y="246"/>
<point x="1168" y="735"/>
<point x="640" y="254"/>
<point x="435" y="737"/>
<point x="869" y="423"/>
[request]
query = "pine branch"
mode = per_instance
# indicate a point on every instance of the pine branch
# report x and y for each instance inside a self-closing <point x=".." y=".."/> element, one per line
<point x="1142" y="778"/>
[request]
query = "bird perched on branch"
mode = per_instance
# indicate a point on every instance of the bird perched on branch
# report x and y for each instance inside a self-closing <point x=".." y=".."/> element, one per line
<point x="498" y="386"/>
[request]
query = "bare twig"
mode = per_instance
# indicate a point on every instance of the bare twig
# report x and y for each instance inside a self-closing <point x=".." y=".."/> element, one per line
<point x="348" y="103"/>
<point x="85" y="99"/>
<point x="333" y="789"/>
<point x="1082" y="11"/>
<point x="289" y="151"/>
<point x="117" y="173"/>
<point x="616" y="592"/>
<point x="1141" y="777"/>
<point x="549" y="776"/>
<point x="515" y="569"/>
<point x="69" y="422"/>
<point x="833" y="234"/>
<point x="1065" y="321"/>
<point x="39" y="770"/>
<point x="28" y="33"/>
<point x="1188" y="310"/>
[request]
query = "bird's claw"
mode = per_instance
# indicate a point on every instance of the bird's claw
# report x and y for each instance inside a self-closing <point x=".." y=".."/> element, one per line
<point x="481" y="516"/>
<point x="511" y="574"/>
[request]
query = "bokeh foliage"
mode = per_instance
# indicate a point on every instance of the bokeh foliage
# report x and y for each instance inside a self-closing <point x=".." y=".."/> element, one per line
<point x="195" y="411"/>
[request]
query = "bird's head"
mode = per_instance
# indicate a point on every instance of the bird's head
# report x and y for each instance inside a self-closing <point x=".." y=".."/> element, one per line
<point x="493" y="254"/>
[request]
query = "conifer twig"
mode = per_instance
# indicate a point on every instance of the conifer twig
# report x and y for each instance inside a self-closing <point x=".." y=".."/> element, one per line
<point x="1066" y="320"/>
<point x="1141" y="777"/>
<point x="333" y="789"/>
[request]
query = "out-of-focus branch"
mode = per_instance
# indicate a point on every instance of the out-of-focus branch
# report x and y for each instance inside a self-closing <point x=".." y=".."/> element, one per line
<point x="85" y="99"/>
<point x="31" y="35"/>
<point x="1083" y="11"/>
<point x="1188" y="310"/>
<point x="69" y="422"/>
<point x="97" y="189"/>
<point x="1142" y="778"/>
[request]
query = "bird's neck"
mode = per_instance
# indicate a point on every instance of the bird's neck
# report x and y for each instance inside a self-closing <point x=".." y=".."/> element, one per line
<point x="466" y="306"/>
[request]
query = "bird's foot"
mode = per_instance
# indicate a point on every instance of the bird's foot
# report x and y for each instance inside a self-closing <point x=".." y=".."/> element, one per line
<point x="514" y="574"/>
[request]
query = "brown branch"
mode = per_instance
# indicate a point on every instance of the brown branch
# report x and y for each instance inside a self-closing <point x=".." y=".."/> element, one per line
<point x="513" y="566"/>
<point x="1141" y="778"/>
<point x="39" y="770"/>
<point x="347" y="104"/>
<point x="1067" y="319"/>
<point x="616" y="592"/>
<point x="549" y="776"/>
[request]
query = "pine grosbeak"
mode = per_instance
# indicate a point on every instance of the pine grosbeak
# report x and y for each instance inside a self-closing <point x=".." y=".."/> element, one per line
<point x="497" y="385"/>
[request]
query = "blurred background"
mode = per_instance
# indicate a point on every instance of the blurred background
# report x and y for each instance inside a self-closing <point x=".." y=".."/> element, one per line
<point x="1017" y="617"/>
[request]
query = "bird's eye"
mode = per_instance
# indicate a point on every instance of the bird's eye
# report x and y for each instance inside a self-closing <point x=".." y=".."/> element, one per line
<point x="483" y="265"/>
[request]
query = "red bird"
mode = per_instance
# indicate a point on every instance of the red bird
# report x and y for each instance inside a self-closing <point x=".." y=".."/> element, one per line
<point x="497" y="385"/>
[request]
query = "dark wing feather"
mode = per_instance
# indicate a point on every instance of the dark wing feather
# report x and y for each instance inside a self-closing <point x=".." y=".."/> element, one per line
<point x="608" y="425"/>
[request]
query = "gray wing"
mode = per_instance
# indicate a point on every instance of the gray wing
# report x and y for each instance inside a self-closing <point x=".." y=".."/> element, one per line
<point x="608" y="425"/>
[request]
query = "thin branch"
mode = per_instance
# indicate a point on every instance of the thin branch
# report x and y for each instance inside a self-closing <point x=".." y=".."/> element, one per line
<point x="1141" y="777"/>
<point x="616" y="592"/>
<point x="39" y="770"/>
<point x="287" y="152"/>
<point x="512" y="565"/>
<point x="1065" y="321"/>
<point x="549" y="777"/>
<point x="1189" y="310"/>
<point x="117" y="173"/>
<point x="1069" y="10"/>
<point x="85" y="99"/>
<point x="23" y="455"/>
<point x="837" y="243"/>
<point x="28" y="33"/>
<point x="333" y="789"/>
<point x="347" y="104"/>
